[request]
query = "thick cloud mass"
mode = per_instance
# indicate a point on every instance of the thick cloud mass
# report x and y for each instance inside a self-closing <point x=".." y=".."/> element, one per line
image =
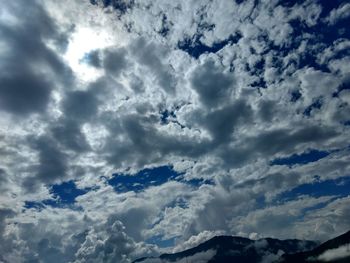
<point x="212" y="85"/>
<point x="232" y="116"/>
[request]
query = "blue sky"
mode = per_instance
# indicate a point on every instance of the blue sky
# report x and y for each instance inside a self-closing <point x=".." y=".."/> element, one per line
<point x="131" y="129"/>
<point x="303" y="158"/>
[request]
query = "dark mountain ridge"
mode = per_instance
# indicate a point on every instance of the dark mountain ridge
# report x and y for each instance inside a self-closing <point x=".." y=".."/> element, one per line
<point x="312" y="255"/>
<point x="239" y="249"/>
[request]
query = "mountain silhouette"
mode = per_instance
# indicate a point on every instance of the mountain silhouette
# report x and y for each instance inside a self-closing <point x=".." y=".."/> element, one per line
<point x="338" y="248"/>
<point x="236" y="249"/>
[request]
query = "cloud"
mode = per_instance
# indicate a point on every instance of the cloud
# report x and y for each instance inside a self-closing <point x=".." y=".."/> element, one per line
<point x="113" y="246"/>
<point x="29" y="69"/>
<point x="24" y="93"/>
<point x="52" y="162"/>
<point x="342" y="12"/>
<point x="112" y="60"/>
<point x="270" y="257"/>
<point x="212" y="85"/>
<point x="201" y="257"/>
<point x="149" y="54"/>
<point x="194" y="241"/>
<point x="275" y="219"/>
<point x="217" y="90"/>
<point x="334" y="254"/>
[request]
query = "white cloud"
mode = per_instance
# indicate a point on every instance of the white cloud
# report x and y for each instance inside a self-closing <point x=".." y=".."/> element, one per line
<point x="336" y="15"/>
<point x="281" y="220"/>
<point x="200" y="257"/>
<point x="334" y="254"/>
<point x="107" y="244"/>
<point x="195" y="240"/>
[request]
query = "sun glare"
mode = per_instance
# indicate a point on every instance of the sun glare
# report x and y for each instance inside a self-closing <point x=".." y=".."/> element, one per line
<point x="82" y="42"/>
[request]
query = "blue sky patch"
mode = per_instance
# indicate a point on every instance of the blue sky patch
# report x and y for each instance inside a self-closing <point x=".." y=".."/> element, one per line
<point x="304" y="158"/>
<point x="121" y="6"/>
<point x="160" y="242"/>
<point x="316" y="207"/>
<point x="39" y="205"/>
<point x="339" y="187"/>
<point x="315" y="105"/>
<point x="165" y="115"/>
<point x="143" y="179"/>
<point x="151" y="177"/>
<point x="64" y="194"/>
<point x="344" y="86"/>
<point x="295" y="95"/>
<point x="195" y="47"/>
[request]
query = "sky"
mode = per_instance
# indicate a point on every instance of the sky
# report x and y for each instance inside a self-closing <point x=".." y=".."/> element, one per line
<point x="131" y="128"/>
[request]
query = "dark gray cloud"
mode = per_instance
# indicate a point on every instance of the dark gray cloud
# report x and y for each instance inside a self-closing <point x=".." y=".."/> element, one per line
<point x="112" y="60"/>
<point x="3" y="179"/>
<point x="52" y="160"/>
<point x="221" y="123"/>
<point x="152" y="56"/>
<point x="45" y="246"/>
<point x="285" y="140"/>
<point x="278" y="141"/>
<point x="137" y="84"/>
<point x="144" y="144"/>
<point x="69" y="134"/>
<point x="80" y="105"/>
<point x="52" y="164"/>
<point x="267" y="110"/>
<point x="24" y="92"/>
<point x="24" y="87"/>
<point x="213" y="86"/>
<point x="94" y="59"/>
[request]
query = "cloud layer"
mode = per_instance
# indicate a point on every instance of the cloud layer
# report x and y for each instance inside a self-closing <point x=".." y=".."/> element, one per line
<point x="214" y="91"/>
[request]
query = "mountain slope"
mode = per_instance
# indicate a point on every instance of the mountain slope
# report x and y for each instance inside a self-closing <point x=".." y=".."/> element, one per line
<point x="336" y="250"/>
<point x="236" y="249"/>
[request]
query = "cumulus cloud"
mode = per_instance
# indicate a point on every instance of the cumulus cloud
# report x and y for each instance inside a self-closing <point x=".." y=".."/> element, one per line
<point x="110" y="246"/>
<point x="216" y="90"/>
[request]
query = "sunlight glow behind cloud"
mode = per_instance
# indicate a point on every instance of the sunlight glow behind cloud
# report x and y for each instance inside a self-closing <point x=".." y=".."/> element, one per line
<point x="83" y="41"/>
